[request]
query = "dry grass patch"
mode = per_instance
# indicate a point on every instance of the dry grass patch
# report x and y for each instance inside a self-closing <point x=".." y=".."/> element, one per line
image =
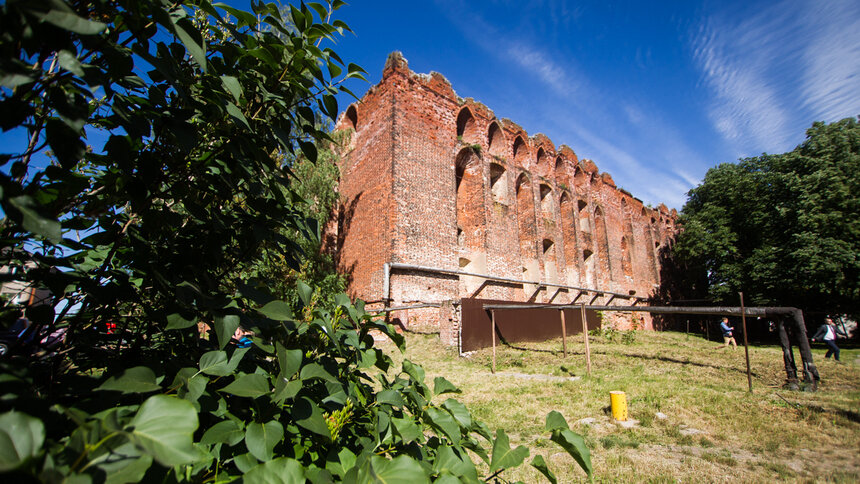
<point x="716" y="431"/>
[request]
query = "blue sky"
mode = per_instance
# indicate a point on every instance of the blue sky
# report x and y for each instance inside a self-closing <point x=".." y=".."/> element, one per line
<point x="655" y="93"/>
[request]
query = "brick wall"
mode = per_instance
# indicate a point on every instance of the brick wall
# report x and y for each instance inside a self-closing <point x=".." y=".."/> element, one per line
<point x="435" y="180"/>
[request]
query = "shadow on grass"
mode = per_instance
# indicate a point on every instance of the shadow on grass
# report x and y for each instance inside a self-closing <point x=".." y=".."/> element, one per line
<point x="666" y="359"/>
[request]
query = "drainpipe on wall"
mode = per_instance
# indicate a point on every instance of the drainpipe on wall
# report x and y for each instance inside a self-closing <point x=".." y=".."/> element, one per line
<point x="386" y="288"/>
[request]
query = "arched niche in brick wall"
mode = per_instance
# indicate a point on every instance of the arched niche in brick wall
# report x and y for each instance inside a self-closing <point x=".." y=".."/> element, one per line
<point x="589" y="264"/>
<point x="648" y="238"/>
<point x="352" y="117"/>
<point x="470" y="202"/>
<point x="601" y="242"/>
<point x="527" y="232"/>
<point x="560" y="172"/>
<point x="546" y="202"/>
<point x="520" y="151"/>
<point x="541" y="162"/>
<point x="581" y="179"/>
<point x="568" y="234"/>
<point x="499" y="183"/>
<point x="626" y="258"/>
<point x="550" y="264"/>
<point x="496" y="140"/>
<point x="467" y="128"/>
<point x="582" y="210"/>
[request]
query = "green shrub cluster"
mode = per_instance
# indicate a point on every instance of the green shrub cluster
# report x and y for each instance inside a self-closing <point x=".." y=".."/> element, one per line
<point x="148" y="240"/>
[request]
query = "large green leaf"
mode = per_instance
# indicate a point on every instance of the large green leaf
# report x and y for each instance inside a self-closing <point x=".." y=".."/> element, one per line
<point x="192" y="40"/>
<point x="459" y="411"/>
<point x="67" y="19"/>
<point x="390" y="397"/>
<point x="277" y="310"/>
<point x="400" y="470"/>
<point x="21" y="437"/>
<point x="261" y="438"/>
<point x="305" y="292"/>
<point x="503" y="456"/>
<point x="252" y="385"/>
<point x="124" y="464"/>
<point x="139" y="379"/>
<point x="413" y="370"/>
<point x="443" y="421"/>
<point x="225" y="432"/>
<point x="279" y="471"/>
<point x="178" y="321"/>
<point x="539" y="464"/>
<point x="215" y="363"/>
<point x="308" y="415"/>
<point x="34" y="222"/>
<point x="289" y="360"/>
<point x="574" y="444"/>
<point x="555" y="421"/>
<point x="314" y="370"/>
<point x="407" y="428"/>
<point x="225" y="326"/>
<point x="164" y="428"/>
<point x="441" y="385"/>
<point x="455" y="462"/>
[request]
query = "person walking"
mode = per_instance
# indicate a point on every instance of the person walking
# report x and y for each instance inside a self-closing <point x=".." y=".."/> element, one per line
<point x="727" y="334"/>
<point x="827" y="333"/>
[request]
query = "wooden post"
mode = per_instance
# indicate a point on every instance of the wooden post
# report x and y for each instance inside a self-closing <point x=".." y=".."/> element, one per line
<point x="746" y="345"/>
<point x="585" y="332"/>
<point x="493" y="319"/>
<point x="563" y="334"/>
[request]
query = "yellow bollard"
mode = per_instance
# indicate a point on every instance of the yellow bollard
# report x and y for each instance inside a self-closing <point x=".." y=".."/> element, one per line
<point x="618" y="401"/>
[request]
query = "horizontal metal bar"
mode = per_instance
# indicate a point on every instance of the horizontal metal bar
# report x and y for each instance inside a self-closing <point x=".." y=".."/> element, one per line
<point x="401" y="308"/>
<point x="713" y="310"/>
<point x="402" y="266"/>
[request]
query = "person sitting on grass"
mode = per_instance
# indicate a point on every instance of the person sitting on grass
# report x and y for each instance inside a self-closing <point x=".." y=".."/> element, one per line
<point x="827" y="333"/>
<point x="727" y="334"/>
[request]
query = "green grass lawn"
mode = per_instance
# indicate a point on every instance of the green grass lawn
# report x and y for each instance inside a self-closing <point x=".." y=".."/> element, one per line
<point x="714" y="430"/>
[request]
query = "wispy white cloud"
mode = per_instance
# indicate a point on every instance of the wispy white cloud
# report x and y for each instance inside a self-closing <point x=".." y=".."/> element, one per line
<point x="831" y="81"/>
<point x="541" y="65"/>
<point x="778" y="69"/>
<point x="607" y="127"/>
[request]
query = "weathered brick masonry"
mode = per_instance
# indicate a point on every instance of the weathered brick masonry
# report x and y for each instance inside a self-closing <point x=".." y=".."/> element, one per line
<point x="434" y="180"/>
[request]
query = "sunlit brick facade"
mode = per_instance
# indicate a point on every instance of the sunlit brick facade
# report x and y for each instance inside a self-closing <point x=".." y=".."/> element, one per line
<point x="435" y="180"/>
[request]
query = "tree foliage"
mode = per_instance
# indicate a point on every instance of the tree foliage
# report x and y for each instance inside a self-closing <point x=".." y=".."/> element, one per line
<point x="784" y="229"/>
<point x="163" y="192"/>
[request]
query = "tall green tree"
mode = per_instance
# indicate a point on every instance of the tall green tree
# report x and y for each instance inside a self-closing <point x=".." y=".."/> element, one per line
<point x="168" y="124"/>
<point x="784" y="229"/>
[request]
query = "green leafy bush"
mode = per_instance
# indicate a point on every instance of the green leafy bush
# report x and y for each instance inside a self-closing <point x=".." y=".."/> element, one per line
<point x="148" y="241"/>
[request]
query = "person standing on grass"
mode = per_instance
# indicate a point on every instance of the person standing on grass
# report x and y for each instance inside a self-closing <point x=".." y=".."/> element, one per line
<point x="827" y="333"/>
<point x="727" y="334"/>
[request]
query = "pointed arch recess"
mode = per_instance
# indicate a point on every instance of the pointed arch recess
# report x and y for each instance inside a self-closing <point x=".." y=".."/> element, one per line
<point x="519" y="150"/>
<point x="568" y="234"/>
<point x="601" y="242"/>
<point x="470" y="201"/>
<point x="526" y="223"/>
<point x="467" y="129"/>
<point x="352" y="117"/>
<point x="495" y="140"/>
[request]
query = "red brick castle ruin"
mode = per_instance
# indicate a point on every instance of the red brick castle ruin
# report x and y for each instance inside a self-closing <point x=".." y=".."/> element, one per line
<point x="440" y="201"/>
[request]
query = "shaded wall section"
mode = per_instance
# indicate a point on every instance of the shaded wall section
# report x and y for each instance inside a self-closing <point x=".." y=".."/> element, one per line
<point x="516" y="325"/>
